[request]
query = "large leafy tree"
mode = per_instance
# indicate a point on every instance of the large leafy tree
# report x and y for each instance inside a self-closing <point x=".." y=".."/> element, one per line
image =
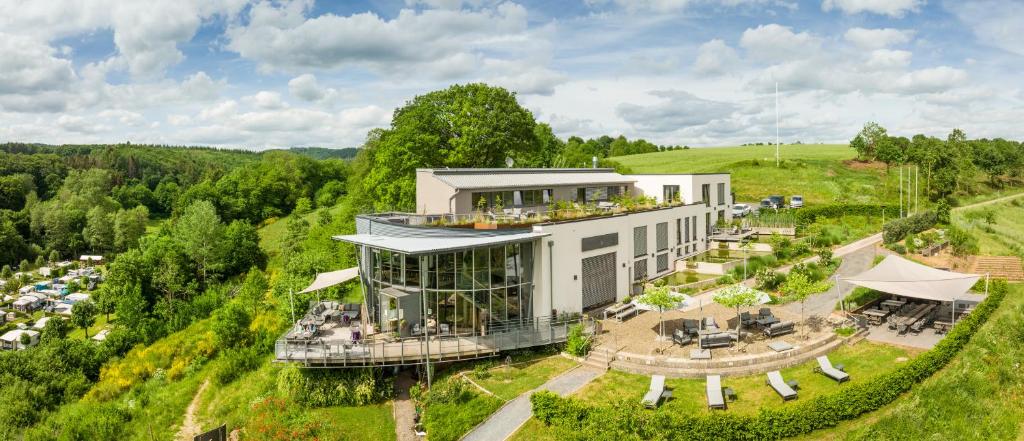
<point x="868" y="140"/>
<point x="83" y="315"/>
<point x="198" y="232"/>
<point x="465" y="125"/>
<point x="799" y="287"/>
<point x="737" y="296"/>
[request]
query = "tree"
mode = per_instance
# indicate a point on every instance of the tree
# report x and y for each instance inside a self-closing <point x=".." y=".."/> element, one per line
<point x="56" y="329"/>
<point x="661" y="298"/>
<point x="83" y="315"/>
<point x="867" y="141"/>
<point x="129" y="227"/>
<point x="961" y="242"/>
<point x="240" y="247"/>
<point x="231" y="325"/>
<point x="198" y="231"/>
<point x="105" y="303"/>
<point x="131" y="306"/>
<point x="6" y="273"/>
<point x="54" y="257"/>
<point x="99" y="230"/>
<point x="12" y="245"/>
<point x="253" y="290"/>
<point x="799" y="287"/>
<point x="737" y="296"/>
<point x="302" y="206"/>
<point x="465" y="125"/>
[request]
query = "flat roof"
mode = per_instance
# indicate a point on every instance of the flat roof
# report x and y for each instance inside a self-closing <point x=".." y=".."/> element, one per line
<point x="474" y="178"/>
<point x="425" y="245"/>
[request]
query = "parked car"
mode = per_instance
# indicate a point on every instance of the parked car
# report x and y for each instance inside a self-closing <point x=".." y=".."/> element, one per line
<point x="796" y="201"/>
<point x="766" y="203"/>
<point x="740" y="210"/>
<point x="777" y="201"/>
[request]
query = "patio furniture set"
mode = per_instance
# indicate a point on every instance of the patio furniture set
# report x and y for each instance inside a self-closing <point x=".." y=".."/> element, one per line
<point x="328" y="314"/>
<point x="709" y="335"/>
<point x="905" y="317"/>
<point x="717" y="396"/>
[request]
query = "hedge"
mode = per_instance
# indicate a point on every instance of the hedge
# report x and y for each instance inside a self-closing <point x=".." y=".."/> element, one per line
<point x="897" y="229"/>
<point x="622" y="420"/>
<point x="806" y="216"/>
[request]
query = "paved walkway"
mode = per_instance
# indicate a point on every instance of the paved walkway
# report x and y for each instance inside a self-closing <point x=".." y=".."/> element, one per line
<point x="821" y="305"/>
<point x="503" y="423"/>
<point x="403" y="407"/>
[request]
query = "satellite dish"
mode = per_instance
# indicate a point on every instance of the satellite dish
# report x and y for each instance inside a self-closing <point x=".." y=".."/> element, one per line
<point x="508" y="162"/>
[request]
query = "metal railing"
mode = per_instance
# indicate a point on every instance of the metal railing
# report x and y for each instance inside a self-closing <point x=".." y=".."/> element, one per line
<point x="415" y="350"/>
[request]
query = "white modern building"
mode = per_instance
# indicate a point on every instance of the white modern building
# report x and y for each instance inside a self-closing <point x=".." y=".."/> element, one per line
<point x="493" y="251"/>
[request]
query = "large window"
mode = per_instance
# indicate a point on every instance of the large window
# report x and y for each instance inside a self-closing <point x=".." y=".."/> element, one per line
<point x="686" y="229"/>
<point x="662" y="263"/>
<point x="640" y="270"/>
<point x="661" y="236"/>
<point x="640" y="241"/>
<point x="598" y="194"/>
<point x="679" y="231"/>
<point x="705" y="194"/>
<point x="670" y="193"/>
<point x="509" y="199"/>
<point x="721" y="193"/>
<point x="466" y="291"/>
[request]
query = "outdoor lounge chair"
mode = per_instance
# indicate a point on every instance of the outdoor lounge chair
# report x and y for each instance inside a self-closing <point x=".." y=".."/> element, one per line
<point x="681" y="338"/>
<point x="765" y="312"/>
<point x="780" y="328"/>
<point x="720" y="339"/>
<point x="692" y="327"/>
<point x="655" y="393"/>
<point x="713" y="391"/>
<point x="709" y="323"/>
<point x="825" y="367"/>
<point x="746" y="319"/>
<point x="781" y="387"/>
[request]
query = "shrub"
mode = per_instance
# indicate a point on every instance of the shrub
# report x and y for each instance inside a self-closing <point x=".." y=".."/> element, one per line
<point x="577" y="342"/>
<point x="575" y="420"/>
<point x="333" y="387"/>
<point x="807" y="216"/>
<point x="899" y="248"/>
<point x="769" y="280"/>
<point x="233" y="363"/>
<point x="962" y="242"/>
<point x="825" y="256"/>
<point x="691" y="277"/>
<point x="898" y="229"/>
<point x="942" y="212"/>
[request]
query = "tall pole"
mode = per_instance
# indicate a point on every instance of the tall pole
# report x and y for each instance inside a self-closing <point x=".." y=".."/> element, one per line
<point x="426" y="317"/>
<point x="776" y="123"/>
<point x="901" y="191"/>
<point x="917" y="187"/>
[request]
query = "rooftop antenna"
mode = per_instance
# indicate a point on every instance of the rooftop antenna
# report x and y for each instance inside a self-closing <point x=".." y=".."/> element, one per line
<point x="776" y="123"/>
<point x="509" y="161"/>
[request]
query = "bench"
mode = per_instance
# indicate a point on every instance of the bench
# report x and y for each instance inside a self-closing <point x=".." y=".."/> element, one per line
<point x="621" y="312"/>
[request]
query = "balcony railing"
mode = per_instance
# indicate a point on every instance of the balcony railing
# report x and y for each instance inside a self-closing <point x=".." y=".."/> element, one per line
<point x="415" y="350"/>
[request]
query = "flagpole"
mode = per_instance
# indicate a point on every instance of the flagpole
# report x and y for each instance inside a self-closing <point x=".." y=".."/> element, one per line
<point x="776" y="123"/>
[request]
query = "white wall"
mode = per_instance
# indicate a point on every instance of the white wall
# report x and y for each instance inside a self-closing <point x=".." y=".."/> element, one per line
<point x="564" y="259"/>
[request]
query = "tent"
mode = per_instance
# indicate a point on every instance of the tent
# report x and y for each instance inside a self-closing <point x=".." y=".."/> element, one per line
<point x="899" y="276"/>
<point x="327" y="280"/>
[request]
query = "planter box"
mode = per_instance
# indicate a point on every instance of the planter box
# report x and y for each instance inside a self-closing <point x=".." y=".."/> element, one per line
<point x="735" y="246"/>
<point x="767" y="231"/>
<point x="717" y="268"/>
<point x="485" y="226"/>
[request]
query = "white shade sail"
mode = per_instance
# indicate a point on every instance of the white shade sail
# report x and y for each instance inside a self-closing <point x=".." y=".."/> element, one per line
<point x="327" y="280"/>
<point x="896" y="275"/>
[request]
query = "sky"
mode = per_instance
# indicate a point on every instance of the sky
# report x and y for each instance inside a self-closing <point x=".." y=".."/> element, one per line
<point x="257" y="75"/>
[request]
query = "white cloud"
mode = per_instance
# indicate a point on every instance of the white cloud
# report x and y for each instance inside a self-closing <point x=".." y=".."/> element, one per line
<point x="995" y="23"/>
<point x="32" y="77"/>
<point x="892" y="8"/>
<point x="306" y="88"/>
<point x="776" y="42"/>
<point x="715" y="57"/>
<point x="283" y="38"/>
<point x="887" y="59"/>
<point x="265" y="100"/>
<point x="678" y="110"/>
<point x="877" y="38"/>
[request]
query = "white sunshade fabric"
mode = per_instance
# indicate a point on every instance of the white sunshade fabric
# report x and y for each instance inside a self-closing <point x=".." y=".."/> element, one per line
<point x="896" y="275"/>
<point x="327" y="280"/>
<point x="424" y="245"/>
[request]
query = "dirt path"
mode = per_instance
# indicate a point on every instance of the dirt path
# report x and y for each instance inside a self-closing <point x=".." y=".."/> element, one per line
<point x="403" y="407"/>
<point x="989" y="202"/>
<point x="190" y="427"/>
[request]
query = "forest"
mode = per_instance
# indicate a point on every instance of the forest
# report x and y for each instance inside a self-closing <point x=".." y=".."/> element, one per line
<point x="196" y="281"/>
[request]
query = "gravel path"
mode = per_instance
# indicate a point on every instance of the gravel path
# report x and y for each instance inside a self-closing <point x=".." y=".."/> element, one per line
<point x="403" y="407"/>
<point x="503" y="423"/>
<point x="190" y="427"/>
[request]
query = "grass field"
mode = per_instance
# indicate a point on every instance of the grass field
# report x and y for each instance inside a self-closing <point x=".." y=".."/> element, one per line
<point x="519" y="378"/>
<point x="815" y="171"/>
<point x="1004" y="235"/>
<point x="978" y="396"/>
<point x="863" y="361"/>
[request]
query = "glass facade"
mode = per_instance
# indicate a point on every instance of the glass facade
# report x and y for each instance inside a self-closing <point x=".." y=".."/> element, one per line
<point x="467" y="291"/>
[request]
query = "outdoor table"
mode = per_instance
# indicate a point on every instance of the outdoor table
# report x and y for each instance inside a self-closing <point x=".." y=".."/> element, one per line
<point x="729" y="394"/>
<point x="700" y="354"/>
<point x="765" y="322"/>
<point x="894" y="304"/>
<point x="875" y="316"/>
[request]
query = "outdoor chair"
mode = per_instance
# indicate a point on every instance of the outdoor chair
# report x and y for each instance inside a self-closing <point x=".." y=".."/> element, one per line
<point x="681" y="337"/>
<point x="721" y="339"/>
<point x="713" y="391"/>
<point x="692" y="327"/>
<point x="655" y="392"/>
<point x="709" y="323"/>
<point x="835" y="373"/>
<point x="780" y="328"/>
<point x="416" y="329"/>
<point x="746" y="319"/>
<point x="445" y="329"/>
<point x="780" y="386"/>
<point x="765" y="313"/>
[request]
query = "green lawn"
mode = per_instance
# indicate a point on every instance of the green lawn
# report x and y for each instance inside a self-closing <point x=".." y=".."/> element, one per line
<point x="1004" y="236"/>
<point x="863" y="361"/>
<point x="978" y="396"/>
<point x="100" y="324"/>
<point x="816" y="172"/>
<point x="513" y="381"/>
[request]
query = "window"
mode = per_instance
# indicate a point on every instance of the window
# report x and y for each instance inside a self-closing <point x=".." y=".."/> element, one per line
<point x="640" y="241"/>
<point x="598" y="194"/>
<point x="640" y="269"/>
<point x="707" y="223"/>
<point x="721" y="216"/>
<point x="661" y="236"/>
<point x="694" y="227"/>
<point x="508" y="199"/>
<point x="679" y="231"/>
<point x="662" y="263"/>
<point x="670" y="193"/>
<point x="687" y="230"/>
<point x="705" y="194"/>
<point x="549" y="196"/>
<point x="721" y="193"/>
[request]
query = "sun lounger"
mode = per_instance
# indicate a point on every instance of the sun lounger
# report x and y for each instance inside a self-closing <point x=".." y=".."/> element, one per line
<point x="713" y="390"/>
<point x="825" y="367"/>
<point x="784" y="390"/>
<point x="655" y="392"/>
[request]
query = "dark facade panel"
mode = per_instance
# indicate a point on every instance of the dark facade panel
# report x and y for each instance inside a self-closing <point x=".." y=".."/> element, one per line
<point x="602" y="241"/>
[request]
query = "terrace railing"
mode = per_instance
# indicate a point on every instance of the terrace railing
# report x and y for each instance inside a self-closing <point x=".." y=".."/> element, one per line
<point x="415" y="350"/>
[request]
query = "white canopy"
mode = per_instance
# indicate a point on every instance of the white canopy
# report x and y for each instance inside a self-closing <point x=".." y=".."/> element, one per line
<point x="896" y="275"/>
<point x="327" y="280"/>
